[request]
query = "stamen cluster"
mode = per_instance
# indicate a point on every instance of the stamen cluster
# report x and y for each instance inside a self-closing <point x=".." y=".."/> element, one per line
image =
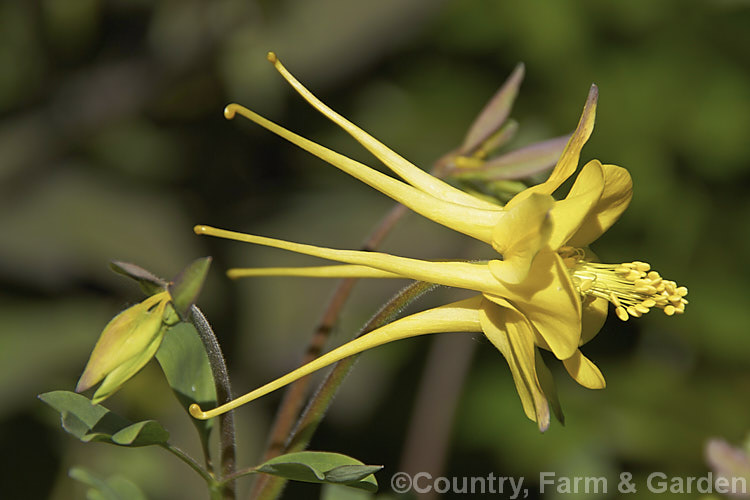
<point x="632" y="287"/>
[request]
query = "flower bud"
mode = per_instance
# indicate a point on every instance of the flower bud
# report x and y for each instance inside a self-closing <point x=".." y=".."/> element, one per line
<point x="127" y="343"/>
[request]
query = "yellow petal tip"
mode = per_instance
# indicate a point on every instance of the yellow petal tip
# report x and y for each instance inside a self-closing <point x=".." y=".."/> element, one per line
<point x="543" y="425"/>
<point x="83" y="385"/>
<point x="200" y="229"/>
<point x="271" y="56"/>
<point x="196" y="412"/>
<point x="591" y="99"/>
<point x="230" y="111"/>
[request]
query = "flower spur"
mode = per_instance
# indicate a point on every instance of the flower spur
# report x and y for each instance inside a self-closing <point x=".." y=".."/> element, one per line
<point x="540" y="291"/>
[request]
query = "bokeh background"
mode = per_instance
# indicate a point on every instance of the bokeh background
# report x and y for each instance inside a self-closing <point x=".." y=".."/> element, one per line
<point x="113" y="145"/>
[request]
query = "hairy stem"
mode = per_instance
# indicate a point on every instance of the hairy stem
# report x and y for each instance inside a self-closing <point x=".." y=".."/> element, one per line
<point x="240" y="473"/>
<point x="210" y="481"/>
<point x="223" y="395"/>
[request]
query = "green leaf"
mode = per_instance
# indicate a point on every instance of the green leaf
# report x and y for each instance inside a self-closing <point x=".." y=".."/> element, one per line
<point x="351" y="473"/>
<point x="323" y="467"/>
<point x="149" y="282"/>
<point x="185" y="364"/>
<point x="113" y="488"/>
<point x="188" y="284"/>
<point x="141" y="434"/>
<point x="89" y="422"/>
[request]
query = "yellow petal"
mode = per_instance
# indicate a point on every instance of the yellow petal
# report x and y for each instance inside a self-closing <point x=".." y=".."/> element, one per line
<point x="569" y="214"/>
<point x="520" y="235"/>
<point x="584" y="371"/>
<point x="568" y="162"/>
<point x="549" y="300"/>
<point x="593" y="316"/>
<point x="461" y="316"/>
<point x="615" y="198"/>
<point x="342" y="271"/>
<point x="474" y="222"/>
<point x="469" y="275"/>
<point x="513" y="336"/>
<point x="399" y="165"/>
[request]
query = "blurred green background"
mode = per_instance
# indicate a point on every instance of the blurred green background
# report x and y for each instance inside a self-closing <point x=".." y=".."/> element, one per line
<point x="113" y="144"/>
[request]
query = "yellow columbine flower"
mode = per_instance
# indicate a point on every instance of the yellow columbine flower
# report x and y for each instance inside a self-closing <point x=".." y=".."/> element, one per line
<point x="542" y="291"/>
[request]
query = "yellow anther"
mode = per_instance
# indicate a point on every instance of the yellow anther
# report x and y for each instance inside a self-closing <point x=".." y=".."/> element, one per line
<point x="633" y="275"/>
<point x="632" y="287"/>
<point x="621" y="313"/>
<point x="633" y="311"/>
<point x="642" y="266"/>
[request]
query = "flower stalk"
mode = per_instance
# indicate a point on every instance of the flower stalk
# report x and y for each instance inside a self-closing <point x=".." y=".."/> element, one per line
<point x="227" y="438"/>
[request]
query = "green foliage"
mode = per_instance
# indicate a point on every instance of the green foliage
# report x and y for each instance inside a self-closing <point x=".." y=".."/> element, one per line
<point x="188" y="284"/>
<point x="149" y="282"/>
<point x="89" y="422"/>
<point x="323" y="467"/>
<point x="114" y="487"/>
<point x="183" y="359"/>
